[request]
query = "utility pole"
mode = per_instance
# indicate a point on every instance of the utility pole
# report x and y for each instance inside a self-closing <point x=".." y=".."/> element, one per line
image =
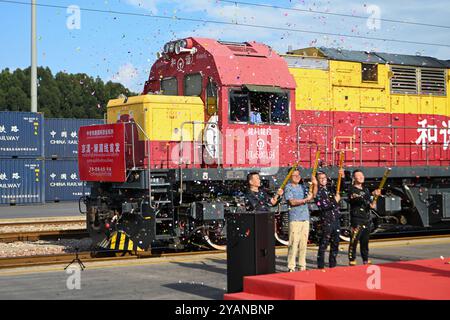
<point x="33" y="58"/>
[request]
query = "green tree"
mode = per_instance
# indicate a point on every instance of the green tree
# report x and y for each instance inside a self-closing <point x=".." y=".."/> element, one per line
<point x="59" y="96"/>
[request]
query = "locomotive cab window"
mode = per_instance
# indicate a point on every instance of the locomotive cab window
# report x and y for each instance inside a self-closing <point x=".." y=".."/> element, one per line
<point x="279" y="108"/>
<point x="259" y="107"/>
<point x="239" y="102"/>
<point x="193" y="84"/>
<point x="369" y="72"/>
<point x="169" y="86"/>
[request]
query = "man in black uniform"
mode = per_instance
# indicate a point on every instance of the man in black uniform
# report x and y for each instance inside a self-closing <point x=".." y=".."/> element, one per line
<point x="360" y="204"/>
<point x="328" y="203"/>
<point x="256" y="199"/>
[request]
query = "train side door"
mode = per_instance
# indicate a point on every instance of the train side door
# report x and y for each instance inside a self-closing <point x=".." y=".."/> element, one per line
<point x="211" y="135"/>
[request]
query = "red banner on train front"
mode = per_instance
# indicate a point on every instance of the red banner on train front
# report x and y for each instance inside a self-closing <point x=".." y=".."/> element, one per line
<point x="101" y="153"/>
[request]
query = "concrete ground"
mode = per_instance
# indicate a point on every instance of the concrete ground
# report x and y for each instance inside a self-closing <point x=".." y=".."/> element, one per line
<point x="184" y="277"/>
<point x="60" y="209"/>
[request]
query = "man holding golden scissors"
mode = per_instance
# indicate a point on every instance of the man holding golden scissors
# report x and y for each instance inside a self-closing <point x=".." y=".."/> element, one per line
<point x="297" y="196"/>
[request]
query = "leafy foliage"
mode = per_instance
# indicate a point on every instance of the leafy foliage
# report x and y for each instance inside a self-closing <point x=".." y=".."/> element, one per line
<point x="61" y="96"/>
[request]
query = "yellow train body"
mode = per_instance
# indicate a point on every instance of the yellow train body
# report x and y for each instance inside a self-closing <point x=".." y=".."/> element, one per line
<point x="338" y="86"/>
<point x="160" y="117"/>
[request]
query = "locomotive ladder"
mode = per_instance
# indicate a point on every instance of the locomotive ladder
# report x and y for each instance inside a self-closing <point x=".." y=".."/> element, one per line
<point x="163" y="198"/>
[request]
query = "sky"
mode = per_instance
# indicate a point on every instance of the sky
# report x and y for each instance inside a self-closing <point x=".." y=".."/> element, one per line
<point x="122" y="47"/>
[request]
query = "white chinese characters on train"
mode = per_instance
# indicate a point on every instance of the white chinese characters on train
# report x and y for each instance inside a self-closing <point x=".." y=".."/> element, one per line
<point x="101" y="148"/>
<point x="430" y="133"/>
<point x="445" y="131"/>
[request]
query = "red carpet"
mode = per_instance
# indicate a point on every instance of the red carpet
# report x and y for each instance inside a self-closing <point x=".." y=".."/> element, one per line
<point x="421" y="279"/>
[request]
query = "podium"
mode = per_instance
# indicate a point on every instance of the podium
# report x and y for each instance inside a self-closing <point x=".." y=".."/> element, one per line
<point x="250" y="247"/>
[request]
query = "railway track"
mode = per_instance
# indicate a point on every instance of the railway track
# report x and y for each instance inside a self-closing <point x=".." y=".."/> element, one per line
<point x="43" y="235"/>
<point x="32" y="261"/>
<point x="12" y="231"/>
<point x="42" y="260"/>
<point x="40" y="222"/>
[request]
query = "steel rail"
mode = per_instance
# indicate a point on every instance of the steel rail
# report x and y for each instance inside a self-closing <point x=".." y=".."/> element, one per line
<point x="43" y="235"/>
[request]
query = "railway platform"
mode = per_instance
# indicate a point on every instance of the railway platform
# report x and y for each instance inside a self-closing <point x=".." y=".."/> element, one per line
<point x="188" y="276"/>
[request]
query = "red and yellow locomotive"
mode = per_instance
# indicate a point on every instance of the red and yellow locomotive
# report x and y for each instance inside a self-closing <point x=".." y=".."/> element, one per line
<point x="171" y="162"/>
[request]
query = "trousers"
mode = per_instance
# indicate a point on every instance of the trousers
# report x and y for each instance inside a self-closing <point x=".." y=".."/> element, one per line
<point x="359" y="233"/>
<point x="328" y="236"/>
<point x="298" y="241"/>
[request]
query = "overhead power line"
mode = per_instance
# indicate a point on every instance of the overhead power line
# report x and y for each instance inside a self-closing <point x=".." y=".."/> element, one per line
<point x="331" y="13"/>
<point x="207" y="21"/>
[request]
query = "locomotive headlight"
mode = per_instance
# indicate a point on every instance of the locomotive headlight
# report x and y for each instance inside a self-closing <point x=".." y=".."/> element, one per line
<point x="171" y="47"/>
<point x="166" y="48"/>
<point x="178" y="47"/>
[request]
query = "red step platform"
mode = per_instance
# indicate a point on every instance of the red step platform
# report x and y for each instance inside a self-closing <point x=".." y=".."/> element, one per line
<point x="421" y="279"/>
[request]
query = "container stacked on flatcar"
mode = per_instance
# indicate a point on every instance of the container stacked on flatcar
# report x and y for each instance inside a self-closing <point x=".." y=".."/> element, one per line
<point x="21" y="158"/>
<point x="61" y="165"/>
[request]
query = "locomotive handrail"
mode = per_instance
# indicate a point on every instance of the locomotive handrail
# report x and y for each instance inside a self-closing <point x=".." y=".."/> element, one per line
<point x="327" y="126"/>
<point x="395" y="128"/>
<point x="180" y="163"/>
<point x="392" y="142"/>
<point x="149" y="159"/>
<point x="351" y="138"/>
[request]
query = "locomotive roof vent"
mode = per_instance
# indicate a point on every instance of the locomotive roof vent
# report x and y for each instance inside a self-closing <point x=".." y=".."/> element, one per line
<point x="239" y="47"/>
<point x="231" y="43"/>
